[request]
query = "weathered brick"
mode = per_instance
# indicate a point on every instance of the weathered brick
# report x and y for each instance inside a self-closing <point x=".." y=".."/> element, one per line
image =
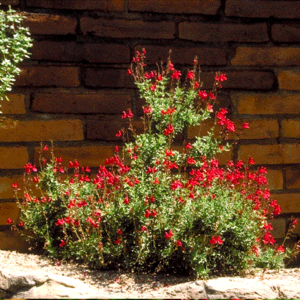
<point x="291" y="153"/>
<point x="106" y="53"/>
<point x="262" y="154"/>
<point x="290" y="203"/>
<point x="290" y="128"/>
<point x="185" y="55"/>
<point x="86" y="155"/>
<point x="56" y="51"/>
<point x="6" y="189"/>
<point x="207" y="32"/>
<point x="10" y="2"/>
<point x="73" y="5"/>
<point x="72" y="51"/>
<point x="262" y="9"/>
<point x="102" y="5"/>
<point x="293" y="178"/>
<point x="267" y="104"/>
<point x="275" y="179"/>
<point x="48" y="76"/>
<point x="40" y="130"/>
<point x="15" y="105"/>
<point x="8" y="210"/>
<point x="279" y="228"/>
<point x="289" y="80"/>
<point x="266" y="56"/>
<point x="118" y="28"/>
<point x="107" y="130"/>
<point x="12" y="241"/>
<point x="206" y="7"/>
<point x="105" y="77"/>
<point x="262" y="80"/>
<point x="13" y="157"/>
<point x="286" y="32"/>
<point x="40" y="24"/>
<point x="85" y="103"/>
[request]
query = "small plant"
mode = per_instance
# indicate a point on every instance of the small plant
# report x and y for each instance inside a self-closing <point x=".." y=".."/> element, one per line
<point x="14" y="44"/>
<point x="167" y="208"/>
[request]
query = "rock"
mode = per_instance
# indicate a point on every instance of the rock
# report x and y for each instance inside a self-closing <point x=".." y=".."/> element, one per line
<point x="39" y="285"/>
<point x="286" y="289"/>
<point x="229" y="288"/>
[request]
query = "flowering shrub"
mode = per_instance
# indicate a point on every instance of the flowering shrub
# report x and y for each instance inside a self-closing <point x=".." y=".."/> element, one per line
<point x="151" y="206"/>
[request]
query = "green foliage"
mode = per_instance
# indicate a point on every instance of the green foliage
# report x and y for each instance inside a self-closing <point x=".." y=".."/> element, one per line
<point x="164" y="209"/>
<point x="14" y="44"/>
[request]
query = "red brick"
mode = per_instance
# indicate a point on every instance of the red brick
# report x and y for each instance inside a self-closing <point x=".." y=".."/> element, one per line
<point x="267" y="104"/>
<point x="40" y="130"/>
<point x="286" y="32"/>
<point x="291" y="153"/>
<point x="266" y="56"/>
<point x="13" y="157"/>
<point x="293" y="178"/>
<point x="106" y="130"/>
<point x="290" y="203"/>
<point x="8" y="210"/>
<point x="6" y="189"/>
<point x="290" y="128"/>
<point x="262" y="9"/>
<point x="48" y="76"/>
<point x="185" y="55"/>
<point x="87" y="155"/>
<point x="12" y="241"/>
<point x="261" y="80"/>
<point x="15" y="105"/>
<point x="113" y="78"/>
<point x="206" y="7"/>
<point x="279" y="227"/>
<point x="262" y="154"/>
<point x="106" y="53"/>
<point x="85" y="103"/>
<point x="275" y="179"/>
<point x="40" y="24"/>
<point x="207" y="32"/>
<point x="289" y="80"/>
<point x="120" y="28"/>
<point x="72" y="5"/>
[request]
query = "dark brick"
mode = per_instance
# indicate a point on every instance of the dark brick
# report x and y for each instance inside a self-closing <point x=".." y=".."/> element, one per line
<point x="206" y="56"/>
<point x="261" y="80"/>
<point x="207" y="32"/>
<point x="81" y="103"/>
<point x="206" y="7"/>
<point x="262" y="9"/>
<point x="69" y="4"/>
<point x="120" y="28"/>
<point x="10" y="2"/>
<point x="286" y="32"/>
<point x="48" y="76"/>
<point x="106" y="53"/>
<point x="41" y="24"/>
<point x="113" y="78"/>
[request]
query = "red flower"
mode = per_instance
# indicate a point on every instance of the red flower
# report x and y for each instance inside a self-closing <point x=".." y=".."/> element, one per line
<point x="156" y="181"/>
<point x="154" y="213"/>
<point x="280" y="249"/>
<point x="216" y="240"/>
<point x="118" y="241"/>
<point x="148" y="213"/>
<point x="191" y="160"/>
<point x="255" y="250"/>
<point x="15" y="185"/>
<point x="190" y="75"/>
<point x="246" y="126"/>
<point x="21" y="224"/>
<point x="119" y="231"/>
<point x="220" y="77"/>
<point x="126" y="201"/>
<point x="176" y="184"/>
<point x="209" y="108"/>
<point x="45" y="148"/>
<point x="188" y="146"/>
<point x="60" y="222"/>
<point x="9" y="221"/>
<point x="203" y="95"/>
<point x="144" y="228"/>
<point x="169" y="234"/>
<point x="179" y="243"/>
<point x="251" y="161"/>
<point x="169" y="130"/>
<point x="62" y="243"/>
<point x="176" y="75"/>
<point x="119" y="133"/>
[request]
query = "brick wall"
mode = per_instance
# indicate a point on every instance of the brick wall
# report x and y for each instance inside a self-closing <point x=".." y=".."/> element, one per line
<point x="74" y="87"/>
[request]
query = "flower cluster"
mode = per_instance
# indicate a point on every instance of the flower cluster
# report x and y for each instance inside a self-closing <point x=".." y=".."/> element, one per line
<point x="154" y="206"/>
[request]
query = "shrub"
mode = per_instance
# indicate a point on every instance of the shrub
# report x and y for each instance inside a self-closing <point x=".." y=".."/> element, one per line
<point x="14" y="43"/>
<point x="165" y="209"/>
